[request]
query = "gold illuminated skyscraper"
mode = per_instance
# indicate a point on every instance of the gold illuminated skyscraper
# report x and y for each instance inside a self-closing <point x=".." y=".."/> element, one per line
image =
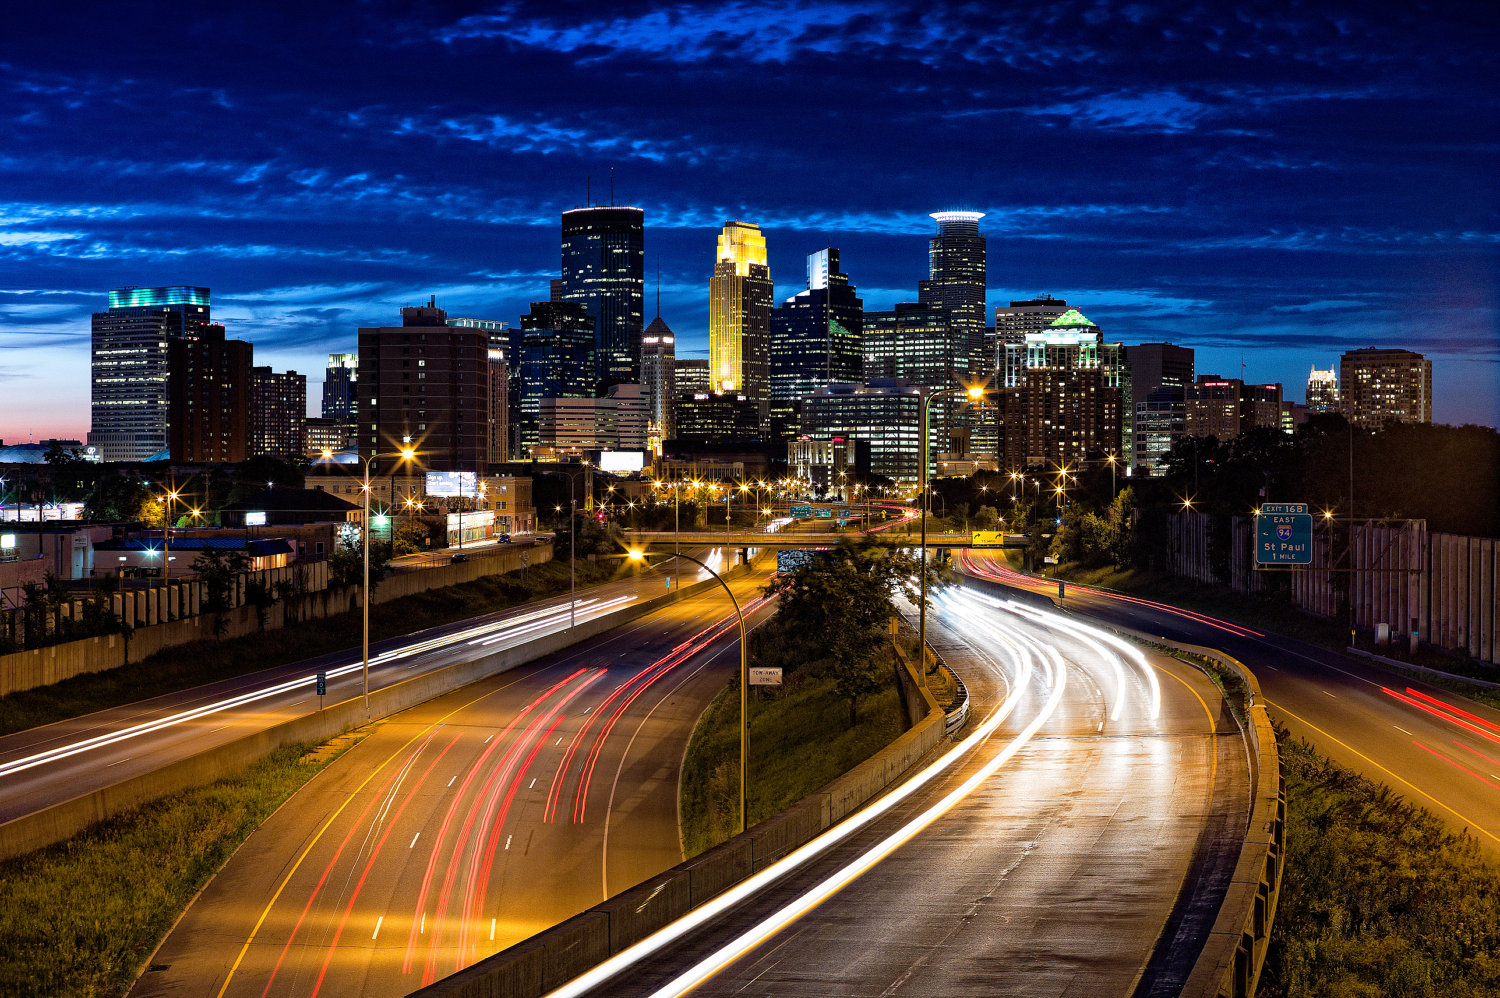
<point x="739" y="315"/>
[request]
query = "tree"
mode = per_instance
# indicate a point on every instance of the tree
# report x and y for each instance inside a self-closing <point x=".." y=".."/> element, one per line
<point x="838" y="606"/>
<point x="217" y="569"/>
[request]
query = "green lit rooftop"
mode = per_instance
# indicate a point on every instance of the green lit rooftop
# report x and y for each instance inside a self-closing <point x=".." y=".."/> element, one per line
<point x="1073" y="317"/>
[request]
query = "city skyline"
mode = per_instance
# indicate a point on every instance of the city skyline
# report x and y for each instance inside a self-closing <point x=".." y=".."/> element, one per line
<point x="1278" y="188"/>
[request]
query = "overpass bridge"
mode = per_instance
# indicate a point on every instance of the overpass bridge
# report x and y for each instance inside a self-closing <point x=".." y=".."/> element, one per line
<point x="809" y="538"/>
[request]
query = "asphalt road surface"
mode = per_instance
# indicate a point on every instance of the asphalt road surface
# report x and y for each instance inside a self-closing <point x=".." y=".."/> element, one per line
<point x="467" y="823"/>
<point x="45" y="766"/>
<point x="1078" y="845"/>
<point x="1434" y="747"/>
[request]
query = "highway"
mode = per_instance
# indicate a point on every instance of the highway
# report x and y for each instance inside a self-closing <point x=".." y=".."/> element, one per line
<point x="44" y="766"/>
<point x="1075" y="842"/>
<point x="467" y="823"/>
<point x="1430" y="745"/>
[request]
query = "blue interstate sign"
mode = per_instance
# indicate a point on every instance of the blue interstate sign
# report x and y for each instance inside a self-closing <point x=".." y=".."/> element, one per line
<point x="1283" y="534"/>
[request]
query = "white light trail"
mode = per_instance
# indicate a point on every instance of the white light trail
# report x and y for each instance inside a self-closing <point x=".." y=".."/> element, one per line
<point x="533" y="621"/>
<point x="712" y="909"/>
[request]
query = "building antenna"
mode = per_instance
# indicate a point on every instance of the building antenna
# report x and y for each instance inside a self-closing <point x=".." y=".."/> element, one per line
<point x="611" y="187"/>
<point x="588" y="191"/>
<point x="658" y="285"/>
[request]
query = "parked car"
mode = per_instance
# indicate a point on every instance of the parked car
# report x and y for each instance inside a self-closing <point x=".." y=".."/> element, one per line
<point x="458" y="557"/>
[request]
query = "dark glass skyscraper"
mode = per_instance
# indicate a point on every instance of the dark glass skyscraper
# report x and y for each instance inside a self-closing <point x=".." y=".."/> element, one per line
<point x="816" y="333"/>
<point x="603" y="256"/>
<point x="957" y="279"/>
<point x="557" y="359"/>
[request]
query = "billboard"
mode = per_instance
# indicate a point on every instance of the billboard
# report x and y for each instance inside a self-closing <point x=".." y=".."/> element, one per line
<point x="622" y="462"/>
<point x="447" y="484"/>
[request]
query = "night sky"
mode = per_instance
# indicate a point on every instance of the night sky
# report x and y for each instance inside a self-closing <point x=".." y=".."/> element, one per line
<point x="1273" y="185"/>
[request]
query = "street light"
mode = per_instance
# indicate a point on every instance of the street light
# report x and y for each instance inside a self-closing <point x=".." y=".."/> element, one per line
<point x="406" y="453"/>
<point x="1111" y="477"/>
<point x="166" y="543"/>
<point x="975" y="393"/>
<point x="637" y="554"/>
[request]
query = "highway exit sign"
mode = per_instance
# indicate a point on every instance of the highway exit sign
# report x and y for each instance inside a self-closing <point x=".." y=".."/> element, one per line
<point x="1283" y="534"/>
<point x="987" y="538"/>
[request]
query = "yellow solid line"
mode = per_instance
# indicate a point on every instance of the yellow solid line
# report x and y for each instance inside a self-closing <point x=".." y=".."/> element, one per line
<point x="1470" y="821"/>
<point x="331" y="818"/>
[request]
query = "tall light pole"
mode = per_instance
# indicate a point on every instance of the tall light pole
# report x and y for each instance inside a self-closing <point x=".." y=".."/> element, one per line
<point x="636" y="554"/>
<point x="166" y="545"/>
<point x="975" y="393"/>
<point x="1112" y="478"/>
<point x="405" y="454"/>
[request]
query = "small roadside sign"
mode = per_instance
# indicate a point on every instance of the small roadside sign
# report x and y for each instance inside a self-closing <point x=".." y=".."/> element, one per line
<point x="1283" y="534"/>
<point x="765" y="677"/>
<point x="322" y="683"/>
<point x="987" y="538"/>
<point x="895" y="626"/>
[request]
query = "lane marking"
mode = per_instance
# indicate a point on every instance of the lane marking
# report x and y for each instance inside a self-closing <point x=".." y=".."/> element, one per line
<point x="533" y="783"/>
<point x="487" y="740"/>
<point x="1327" y="694"/>
<point x="376" y="933"/>
<point x="507" y="841"/>
<point x="559" y="740"/>
<point x="452" y="778"/>
<point x="1457" y="765"/>
<point x="414" y="840"/>
<point x="1401" y="729"/>
<point x="492" y="930"/>
<point x="1404" y="782"/>
<point x="126" y="759"/>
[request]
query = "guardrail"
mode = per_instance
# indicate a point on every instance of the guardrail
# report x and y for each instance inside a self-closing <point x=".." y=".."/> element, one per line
<point x="957" y="715"/>
<point x="555" y="956"/>
<point x="60" y="821"/>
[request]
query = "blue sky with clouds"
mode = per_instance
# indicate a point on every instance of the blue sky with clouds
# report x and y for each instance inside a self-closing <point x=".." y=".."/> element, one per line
<point x="1271" y="185"/>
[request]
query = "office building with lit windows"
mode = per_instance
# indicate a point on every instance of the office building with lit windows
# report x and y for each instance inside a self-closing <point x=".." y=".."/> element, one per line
<point x="557" y="360"/>
<point x="1323" y="390"/>
<point x="956" y="282"/>
<point x="603" y="256"/>
<point x="690" y="377"/>
<point x="340" y="392"/>
<point x="129" y="367"/>
<point x="1380" y="385"/>
<point x="659" y="378"/>
<point x="426" y="384"/>
<point x="211" y="396"/>
<point x="815" y="338"/>
<point x="739" y="315"/>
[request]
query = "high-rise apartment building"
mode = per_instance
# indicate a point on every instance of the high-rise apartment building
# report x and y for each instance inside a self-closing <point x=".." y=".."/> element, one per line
<point x="278" y="413"/>
<point x="504" y="350"/>
<point x="815" y="336"/>
<point x="1323" y="390"/>
<point x="557" y="360"/>
<point x="1160" y="376"/>
<point x="1381" y="385"/>
<point x="424" y="384"/>
<point x="739" y="315"/>
<point x="956" y="281"/>
<point x="340" y="387"/>
<point x="1031" y="315"/>
<point x="128" y="386"/>
<point x="210" y="396"/>
<point x="659" y="378"/>
<point x="603" y="256"/>
<point x="1073" y="390"/>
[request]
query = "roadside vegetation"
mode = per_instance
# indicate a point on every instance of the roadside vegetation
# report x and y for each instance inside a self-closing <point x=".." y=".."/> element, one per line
<point x="1379" y="897"/>
<point x="78" y="919"/>
<point x="203" y="662"/>
<point x="838" y="705"/>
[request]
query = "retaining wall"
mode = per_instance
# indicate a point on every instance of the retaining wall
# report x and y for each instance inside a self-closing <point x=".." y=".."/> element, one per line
<point x="555" y="956"/>
<point x="42" y="828"/>
<point x="24" y="670"/>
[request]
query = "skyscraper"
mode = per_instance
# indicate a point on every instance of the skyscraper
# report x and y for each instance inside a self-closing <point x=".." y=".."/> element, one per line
<point x="739" y="315"/>
<point x="957" y="280"/>
<point x="690" y="376"/>
<point x="426" y="383"/>
<point x="658" y="377"/>
<point x="503" y="353"/>
<point x="557" y="360"/>
<point x="603" y="255"/>
<point x="1160" y="376"/>
<point x="129" y="392"/>
<point x="815" y="336"/>
<point x="210" y="399"/>
<point x="916" y="343"/>
<point x="1385" y="384"/>
<point x="1323" y="390"/>
<point x="340" y="387"/>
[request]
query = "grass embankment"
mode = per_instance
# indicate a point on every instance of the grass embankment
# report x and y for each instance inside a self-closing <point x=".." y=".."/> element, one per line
<point x="78" y="919"/>
<point x="800" y="739"/>
<point x="1379" y="897"/>
<point x="203" y="662"/>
